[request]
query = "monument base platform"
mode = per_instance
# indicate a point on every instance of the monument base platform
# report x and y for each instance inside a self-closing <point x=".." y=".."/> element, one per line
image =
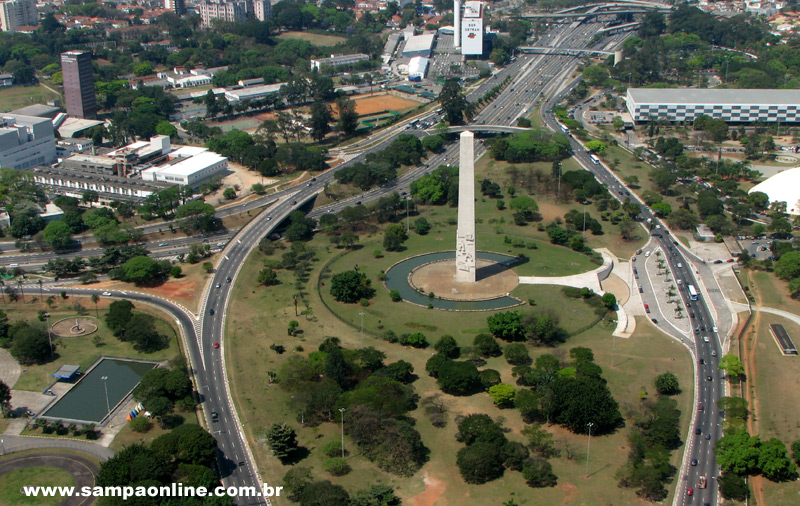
<point x="493" y="280"/>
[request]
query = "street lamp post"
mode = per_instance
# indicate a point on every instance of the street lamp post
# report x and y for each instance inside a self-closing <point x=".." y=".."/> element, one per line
<point x="407" y="225"/>
<point x="584" y="221"/>
<point x="362" y="328"/>
<point x="341" y="410"/>
<point x="588" y="447"/>
<point x="105" y="387"/>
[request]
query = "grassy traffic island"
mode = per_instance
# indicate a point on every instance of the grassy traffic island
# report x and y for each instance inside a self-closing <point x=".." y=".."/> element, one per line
<point x="410" y="380"/>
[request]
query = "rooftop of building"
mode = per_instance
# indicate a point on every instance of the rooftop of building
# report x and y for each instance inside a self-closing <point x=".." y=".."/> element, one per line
<point x="190" y="165"/>
<point x="71" y="126"/>
<point x="40" y="110"/>
<point x="256" y="90"/>
<point x="472" y="9"/>
<point x="122" y="182"/>
<point x="688" y="96"/>
<point x="419" y="42"/>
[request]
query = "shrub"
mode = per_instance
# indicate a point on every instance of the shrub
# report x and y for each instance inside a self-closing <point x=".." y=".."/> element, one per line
<point x="417" y="340"/>
<point x="489" y="378"/>
<point x="337" y="466"/>
<point x="333" y="449"/>
<point x="487" y="345"/>
<point x="140" y="424"/>
<point x="517" y="354"/>
<point x="447" y="346"/>
<point x="395" y="296"/>
<point x="502" y="395"/>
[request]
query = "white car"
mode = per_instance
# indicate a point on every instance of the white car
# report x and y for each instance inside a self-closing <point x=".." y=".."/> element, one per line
<point x="714" y="329"/>
<point x="647" y="253"/>
<point x="106" y="294"/>
<point x="705" y="338"/>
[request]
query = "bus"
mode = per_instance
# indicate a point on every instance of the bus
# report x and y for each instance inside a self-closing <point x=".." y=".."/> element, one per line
<point x="692" y="292"/>
<point x="564" y="128"/>
<point x="595" y="160"/>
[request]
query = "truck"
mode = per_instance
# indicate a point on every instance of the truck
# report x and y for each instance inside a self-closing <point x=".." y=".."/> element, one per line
<point x="701" y="483"/>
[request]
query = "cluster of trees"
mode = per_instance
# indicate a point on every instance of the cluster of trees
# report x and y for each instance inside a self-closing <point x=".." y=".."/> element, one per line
<point x="142" y="270"/>
<point x="134" y="327"/>
<point x="186" y="454"/>
<point x="739" y="454"/>
<point x="375" y="397"/>
<point x="351" y="286"/>
<point x="488" y="453"/>
<point x="163" y="389"/>
<point x="539" y="328"/>
<point x="301" y="487"/>
<point x="26" y="341"/>
<point x="438" y="187"/>
<point x="531" y="146"/>
<point x="381" y="167"/>
<point x="571" y="394"/>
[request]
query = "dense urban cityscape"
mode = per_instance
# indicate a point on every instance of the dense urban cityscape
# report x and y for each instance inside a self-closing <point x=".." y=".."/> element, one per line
<point x="369" y="252"/>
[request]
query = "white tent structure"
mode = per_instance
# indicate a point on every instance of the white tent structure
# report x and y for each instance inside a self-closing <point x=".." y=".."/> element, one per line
<point x="782" y="187"/>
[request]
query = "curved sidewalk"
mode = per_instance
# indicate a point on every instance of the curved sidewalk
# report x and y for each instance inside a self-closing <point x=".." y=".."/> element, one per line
<point x="13" y="444"/>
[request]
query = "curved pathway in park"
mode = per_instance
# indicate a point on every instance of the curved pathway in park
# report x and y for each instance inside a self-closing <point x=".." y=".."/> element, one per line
<point x="82" y="470"/>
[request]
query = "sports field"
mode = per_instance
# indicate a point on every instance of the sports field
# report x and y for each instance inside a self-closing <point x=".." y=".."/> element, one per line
<point x="15" y="97"/>
<point x="371" y="104"/>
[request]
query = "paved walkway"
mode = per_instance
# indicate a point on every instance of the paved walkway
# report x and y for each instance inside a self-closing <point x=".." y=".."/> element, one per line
<point x="588" y="279"/>
<point x="779" y="312"/>
<point x="9" y="369"/>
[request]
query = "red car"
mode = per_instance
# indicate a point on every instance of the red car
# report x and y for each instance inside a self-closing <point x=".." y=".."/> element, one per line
<point x="730" y="260"/>
<point x="689" y="491"/>
<point x="216" y="344"/>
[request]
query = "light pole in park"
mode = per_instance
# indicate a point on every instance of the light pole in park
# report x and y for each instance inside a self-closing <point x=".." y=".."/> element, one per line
<point x="588" y="447"/>
<point x="105" y="387"/>
<point x="361" y="314"/>
<point x="341" y="410"/>
<point x="407" y="225"/>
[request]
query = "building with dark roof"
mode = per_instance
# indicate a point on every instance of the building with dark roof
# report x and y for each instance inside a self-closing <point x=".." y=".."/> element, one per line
<point x="76" y="67"/>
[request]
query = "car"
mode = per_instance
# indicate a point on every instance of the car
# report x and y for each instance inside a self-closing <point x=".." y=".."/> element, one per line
<point x="690" y="491"/>
<point x="211" y="311"/>
<point x="106" y="294"/>
<point x="713" y="353"/>
<point x="313" y="179"/>
<point x="269" y="218"/>
<point x="700" y="407"/>
<point x="358" y="202"/>
<point x="694" y="462"/>
<point x="717" y="261"/>
<point x="698" y="431"/>
<point x="697" y="329"/>
<point x="705" y="339"/>
<point x="702" y="328"/>
<point x="214" y="416"/>
<point x="294" y="202"/>
<point x="714" y="330"/>
<point x="709" y="378"/>
<point x="308" y="184"/>
<point x="228" y="279"/>
<point x="162" y="244"/>
<point x="655" y="320"/>
<point x="218" y="285"/>
<point x="216" y="344"/>
<point x="730" y="260"/>
<point x="708" y="435"/>
<point x="692" y="315"/>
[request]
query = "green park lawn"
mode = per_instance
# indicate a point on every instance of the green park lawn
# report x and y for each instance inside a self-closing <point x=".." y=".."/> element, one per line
<point x="259" y="316"/>
<point x="11" y="485"/>
<point x="82" y="350"/>
<point x="318" y="39"/>
<point x="15" y="97"/>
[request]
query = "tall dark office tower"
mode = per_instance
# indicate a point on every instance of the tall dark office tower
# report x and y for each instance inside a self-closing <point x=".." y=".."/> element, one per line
<point x="79" y="84"/>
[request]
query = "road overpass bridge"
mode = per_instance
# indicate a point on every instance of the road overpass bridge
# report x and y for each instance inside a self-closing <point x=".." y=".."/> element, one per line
<point x="500" y="129"/>
<point x="569" y="51"/>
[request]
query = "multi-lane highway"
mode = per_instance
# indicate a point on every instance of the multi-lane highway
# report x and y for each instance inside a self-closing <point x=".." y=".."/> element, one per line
<point x="699" y="458"/>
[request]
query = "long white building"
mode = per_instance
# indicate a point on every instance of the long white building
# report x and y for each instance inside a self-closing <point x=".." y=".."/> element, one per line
<point x="26" y="141"/>
<point x="16" y="13"/>
<point x="187" y="166"/>
<point x="731" y="105"/>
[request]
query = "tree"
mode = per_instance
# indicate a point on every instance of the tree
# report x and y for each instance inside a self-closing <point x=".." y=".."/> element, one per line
<point x="732" y="366"/>
<point x="733" y="487"/>
<point x="433" y="143"/>
<point x="348" y="117"/>
<point x="506" y="325"/>
<point x="609" y="301"/>
<point x="30" y="344"/>
<point x="458" y="378"/>
<point x="667" y="384"/>
<point x="295" y="481"/>
<point x="142" y="333"/>
<point x="539" y="473"/>
<point x="517" y="354"/>
<point x="282" y="441"/>
<point x="268" y="277"/>
<point x="502" y="395"/>
<point x="453" y="101"/>
<point x="738" y="452"/>
<point x="774" y="462"/>
<point x="142" y="270"/>
<point x="323" y="493"/>
<point x="229" y="193"/>
<point x="301" y="228"/>
<point x="57" y="234"/>
<point x="421" y="226"/>
<point x="351" y="286"/>
<point x="480" y="462"/>
<point x="447" y="346"/>
<point x="788" y="266"/>
<point x="118" y="315"/>
<point x="95" y="300"/>
<point x="320" y="120"/>
<point x="166" y="128"/>
<point x="5" y="398"/>
<point x="486" y="345"/>
<point x="394" y="236"/>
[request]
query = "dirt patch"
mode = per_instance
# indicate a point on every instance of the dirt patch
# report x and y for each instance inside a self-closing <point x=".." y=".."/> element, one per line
<point x="182" y="291"/>
<point x="434" y="488"/>
<point x="618" y="287"/>
<point x="550" y="211"/>
<point x="373" y="104"/>
<point x="493" y="280"/>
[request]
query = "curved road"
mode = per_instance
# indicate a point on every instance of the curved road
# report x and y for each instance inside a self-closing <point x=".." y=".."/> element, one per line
<point x="82" y="470"/>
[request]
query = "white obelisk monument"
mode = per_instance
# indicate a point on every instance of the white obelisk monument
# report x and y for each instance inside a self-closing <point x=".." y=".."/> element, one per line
<point x="457" y="23"/>
<point x="465" y="234"/>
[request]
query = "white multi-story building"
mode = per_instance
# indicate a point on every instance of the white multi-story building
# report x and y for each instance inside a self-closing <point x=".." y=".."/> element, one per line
<point x="472" y="29"/>
<point x="16" y="13"/>
<point x="338" y="60"/>
<point x="262" y="9"/>
<point x="227" y="10"/>
<point x="26" y="141"/>
<point x="187" y="165"/>
<point x="731" y="105"/>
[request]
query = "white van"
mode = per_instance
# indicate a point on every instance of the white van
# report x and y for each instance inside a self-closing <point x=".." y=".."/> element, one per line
<point x="680" y="265"/>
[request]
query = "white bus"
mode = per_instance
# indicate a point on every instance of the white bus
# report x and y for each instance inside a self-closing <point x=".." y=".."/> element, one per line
<point x="595" y="160"/>
<point x="692" y="292"/>
<point x="564" y="128"/>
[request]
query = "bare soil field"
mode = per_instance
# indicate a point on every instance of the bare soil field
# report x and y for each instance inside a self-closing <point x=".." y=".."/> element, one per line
<point x="372" y="104"/>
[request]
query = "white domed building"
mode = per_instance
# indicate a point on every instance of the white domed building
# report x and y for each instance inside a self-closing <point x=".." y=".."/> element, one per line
<point x="782" y="187"/>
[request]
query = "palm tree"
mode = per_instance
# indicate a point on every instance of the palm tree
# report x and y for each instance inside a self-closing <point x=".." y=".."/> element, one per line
<point x="19" y="285"/>
<point x="2" y="290"/>
<point x="41" y="293"/>
<point x="95" y="298"/>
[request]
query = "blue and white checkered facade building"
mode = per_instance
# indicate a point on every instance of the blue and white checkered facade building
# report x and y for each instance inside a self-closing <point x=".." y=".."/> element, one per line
<point x="733" y="106"/>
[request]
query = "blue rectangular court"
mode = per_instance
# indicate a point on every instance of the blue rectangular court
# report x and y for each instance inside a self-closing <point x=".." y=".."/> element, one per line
<point x="86" y="401"/>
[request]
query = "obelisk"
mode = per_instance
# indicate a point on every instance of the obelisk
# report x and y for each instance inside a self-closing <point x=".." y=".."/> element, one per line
<point x="465" y="234"/>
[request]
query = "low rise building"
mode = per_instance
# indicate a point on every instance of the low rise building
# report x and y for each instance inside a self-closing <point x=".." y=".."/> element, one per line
<point x="74" y="184"/>
<point x="418" y="68"/>
<point x="337" y="61"/>
<point x="419" y="45"/>
<point x="70" y="145"/>
<point x="26" y="141"/>
<point x="6" y="80"/>
<point x="252" y="92"/>
<point x="187" y="167"/>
